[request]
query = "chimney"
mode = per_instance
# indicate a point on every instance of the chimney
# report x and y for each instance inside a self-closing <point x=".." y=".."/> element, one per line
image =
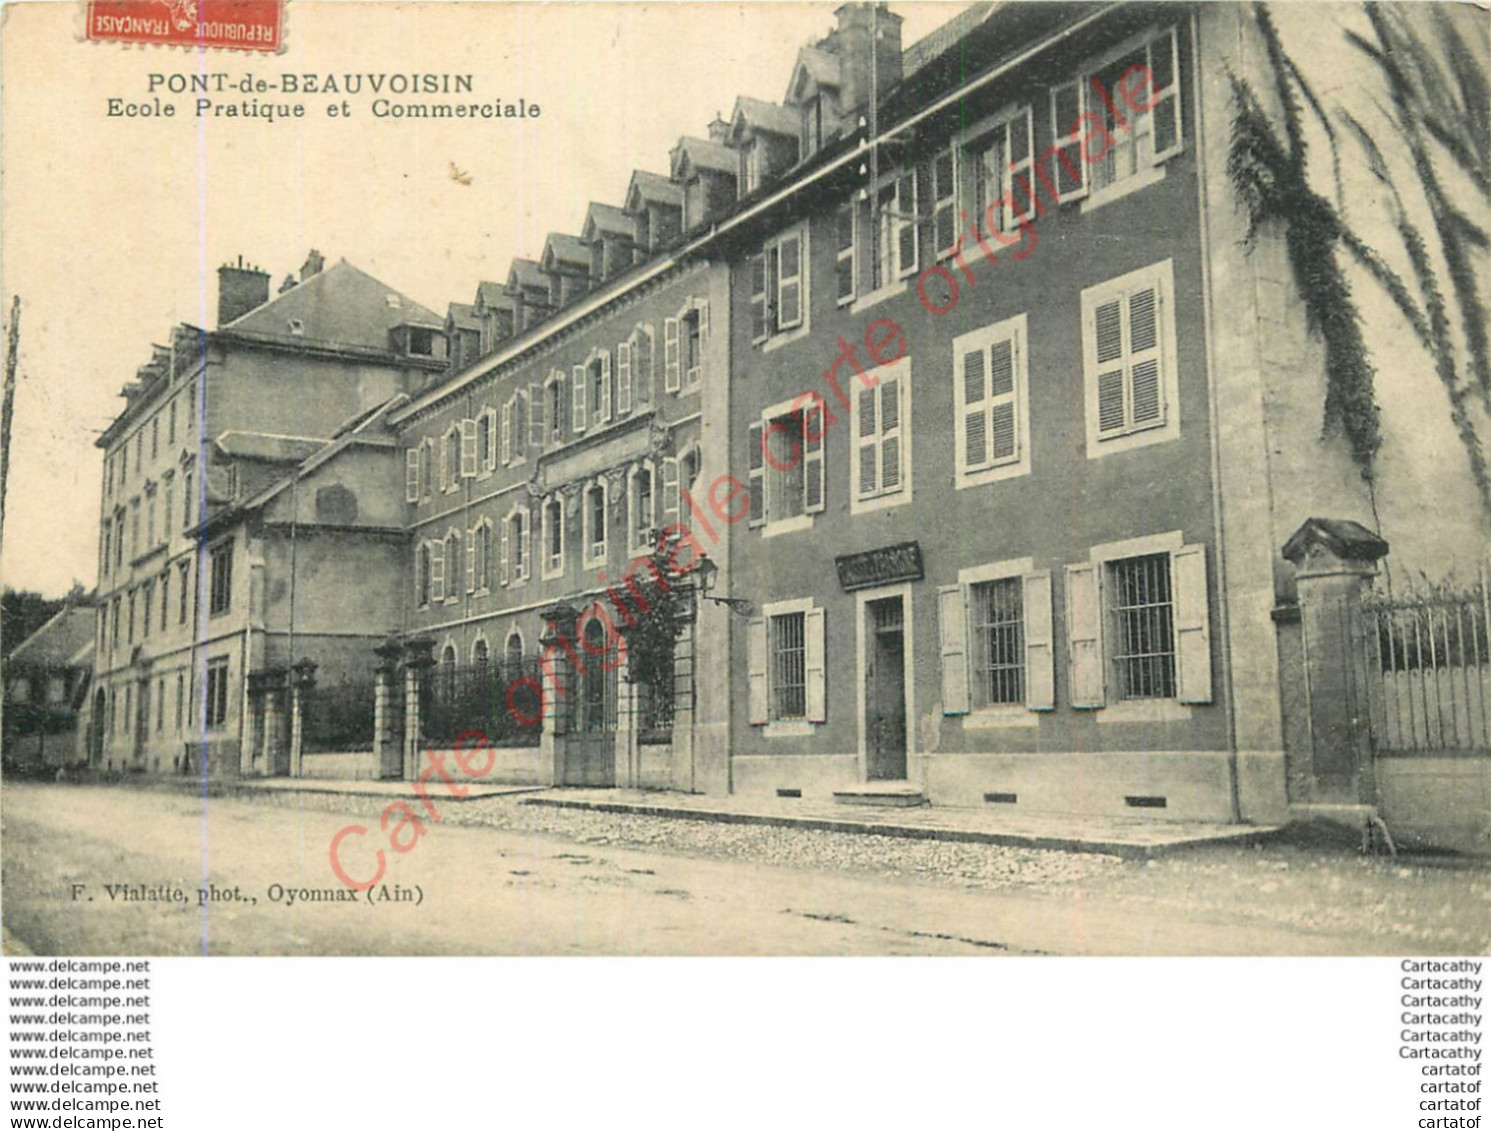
<point x="312" y="265"/>
<point x="853" y="39"/>
<point x="288" y="284"/>
<point x="719" y="130"/>
<point x="241" y="287"/>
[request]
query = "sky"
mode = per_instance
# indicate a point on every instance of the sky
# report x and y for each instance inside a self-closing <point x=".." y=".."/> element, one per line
<point x="111" y="229"/>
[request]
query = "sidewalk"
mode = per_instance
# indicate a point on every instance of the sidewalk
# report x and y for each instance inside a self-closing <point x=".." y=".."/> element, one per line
<point x="389" y="789"/>
<point x="1116" y="836"/>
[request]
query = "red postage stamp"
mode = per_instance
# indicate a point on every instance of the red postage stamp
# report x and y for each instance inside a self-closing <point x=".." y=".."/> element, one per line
<point x="246" y="25"/>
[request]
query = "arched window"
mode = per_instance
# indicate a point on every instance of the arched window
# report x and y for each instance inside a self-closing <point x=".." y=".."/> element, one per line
<point x="480" y="655"/>
<point x="514" y="649"/>
<point x="520" y="426"/>
<point x="642" y="516"/>
<point x="422" y="574"/>
<point x="427" y="467"/>
<point x="481" y="551"/>
<point x="448" y="672"/>
<point x="452" y="563"/>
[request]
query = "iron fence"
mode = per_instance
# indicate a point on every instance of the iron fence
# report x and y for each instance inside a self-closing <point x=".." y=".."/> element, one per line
<point x="338" y="717"/>
<point x="500" y="700"/>
<point x="1428" y="660"/>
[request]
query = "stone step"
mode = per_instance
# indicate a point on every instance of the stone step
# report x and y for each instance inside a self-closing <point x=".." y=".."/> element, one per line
<point x="897" y="794"/>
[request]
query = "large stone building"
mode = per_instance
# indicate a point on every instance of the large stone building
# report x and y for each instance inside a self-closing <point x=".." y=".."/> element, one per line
<point x="953" y="364"/>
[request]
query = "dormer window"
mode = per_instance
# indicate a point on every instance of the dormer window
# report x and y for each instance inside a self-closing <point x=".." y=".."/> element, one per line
<point x="750" y="167"/>
<point x="297" y="327"/>
<point x="421" y="341"/>
<point x="393" y="301"/>
<point x="812" y="125"/>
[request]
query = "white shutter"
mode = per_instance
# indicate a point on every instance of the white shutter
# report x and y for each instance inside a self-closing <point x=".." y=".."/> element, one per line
<point x="889" y="393"/>
<point x="812" y="467"/>
<point x="471" y="561"/>
<point x="642" y="365"/>
<point x="760" y="327"/>
<point x="445" y="462"/>
<point x="505" y="450"/>
<point x="603" y="411"/>
<point x="1040" y="665"/>
<point x="535" y="415"/>
<point x="489" y="420"/>
<point x="702" y="306"/>
<point x="1164" y="71"/>
<point x="1068" y="110"/>
<point x="866" y="446"/>
<point x="437" y="571"/>
<point x="468" y="449"/>
<point x="623" y="378"/>
<point x="670" y="491"/>
<point x="1019" y="135"/>
<point x="815" y="648"/>
<point x="524" y="560"/>
<point x="1192" y="632"/>
<point x="756" y="669"/>
<point x="578" y="399"/>
<point x="411" y="488"/>
<point x="505" y="525"/>
<point x="670" y="355"/>
<point x="950" y="637"/>
<point x="756" y="475"/>
<point x="1084" y="622"/>
<point x="1146" y="389"/>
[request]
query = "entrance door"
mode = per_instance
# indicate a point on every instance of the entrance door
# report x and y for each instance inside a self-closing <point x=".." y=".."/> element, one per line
<point x="885" y="691"/>
<point x="96" y="727"/>
<point x="142" y="719"/>
<point x="590" y="752"/>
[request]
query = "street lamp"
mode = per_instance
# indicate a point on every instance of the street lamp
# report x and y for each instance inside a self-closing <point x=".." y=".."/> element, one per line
<point x="709" y="573"/>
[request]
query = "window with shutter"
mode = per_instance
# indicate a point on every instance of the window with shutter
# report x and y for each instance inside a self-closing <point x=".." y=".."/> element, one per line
<point x="815" y="674"/>
<point x="642" y="372"/>
<point x="521" y="560"/>
<point x="1040" y="662"/>
<point x="671" y="377"/>
<point x="904" y="231"/>
<point x="671" y="498"/>
<point x="505" y="448"/>
<point x="553" y="536"/>
<point x="519" y="426"/>
<point x="471" y="561"/>
<point x="1129" y="341"/>
<point x="505" y="554"/>
<point x="437" y="572"/>
<point x="990" y="391"/>
<point x="845" y="230"/>
<point x="445" y="462"/>
<point x="1068" y="115"/>
<point x="603" y="401"/>
<point x="557" y="399"/>
<point x="1192" y="619"/>
<point x="954" y="651"/>
<point x="488" y="442"/>
<point x="1084" y="636"/>
<point x="594" y="523"/>
<point x="944" y="200"/>
<point x="761" y="266"/>
<point x="535" y="416"/>
<point x="756" y="671"/>
<point x="452" y="565"/>
<point x="411" y="480"/>
<point x="1113" y="146"/>
<point x="789" y="282"/>
<point x="468" y="449"/>
<point x="880" y="447"/>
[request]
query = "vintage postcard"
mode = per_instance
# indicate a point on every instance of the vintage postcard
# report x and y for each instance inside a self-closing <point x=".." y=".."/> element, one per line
<point x="746" y="479"/>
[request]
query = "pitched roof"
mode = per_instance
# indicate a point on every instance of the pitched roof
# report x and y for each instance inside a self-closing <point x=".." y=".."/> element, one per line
<point x="342" y="305"/>
<point x="653" y="188"/>
<point x="566" y="249"/>
<point x="704" y="154"/>
<point x="489" y="293"/>
<point x="268" y="447"/>
<point x="59" y="640"/>
<point x="821" y="66"/>
<point x="942" y="39"/>
<point x="607" y="218"/>
<point x="525" y="273"/>
<point x="358" y="430"/>
<point x="462" y="316"/>
<point x="768" y="116"/>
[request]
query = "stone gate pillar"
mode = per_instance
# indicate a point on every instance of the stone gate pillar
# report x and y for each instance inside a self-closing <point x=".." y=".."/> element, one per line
<point x="1334" y="560"/>
<point x="419" y="658"/>
<point x="302" y="683"/>
<point x="388" y="752"/>
<point x="557" y="672"/>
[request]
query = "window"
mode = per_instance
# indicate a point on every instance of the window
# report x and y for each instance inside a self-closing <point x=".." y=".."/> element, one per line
<point x="995" y="635"/>
<point x="421" y="341"/>
<point x="997" y="170"/>
<point x="846" y="285"/>
<point x="150" y="520"/>
<point x="167" y="509"/>
<point x="160" y="705"/>
<point x="1138" y="625"/>
<point x="882" y="453"/>
<point x="104" y="547"/>
<point x="1130" y="105"/>
<point x="897" y="229"/>
<point x="750" y="167"/>
<point x="411" y="475"/>
<point x="183" y="596"/>
<point x="109" y="476"/>
<point x="130" y="639"/>
<point x="553" y="536"/>
<point x="436" y="574"/>
<point x="778" y="285"/>
<point x="1131" y="381"/>
<point x="148" y="608"/>
<point x="481" y="655"/>
<point x="513" y="650"/>
<point x="785" y="662"/>
<point x="134" y="528"/>
<point x="220" y="573"/>
<point x="486" y="450"/>
<point x="594" y="508"/>
<point x="468" y="449"/>
<point x="479" y="554"/>
<point x="119" y="538"/>
<point x="422" y="575"/>
<point x="515" y="546"/>
<point x="640" y="512"/>
<point x="944" y="189"/>
<point x="554" y="406"/>
<point x="123" y="462"/>
<point x="217" y="693"/>
<point x="155" y="437"/>
<point x="990" y="388"/>
<point x="171" y="423"/>
<point x="180" y="697"/>
<point x="452" y="565"/>
<point x="165" y="600"/>
<point x="597" y="372"/>
<point x="786" y="464"/>
<point x="788" y="667"/>
<point x="450" y="459"/>
<point x="640" y="357"/>
<point x="683" y="346"/>
<point x="114" y="633"/>
<point x="186" y="499"/>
